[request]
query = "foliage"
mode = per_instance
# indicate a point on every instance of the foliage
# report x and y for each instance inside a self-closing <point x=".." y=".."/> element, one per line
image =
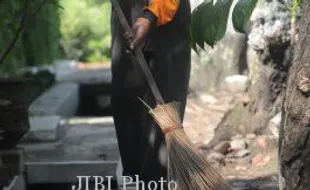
<point x="209" y="20"/>
<point x="242" y="13"/>
<point x="85" y="29"/>
<point x="293" y="8"/>
<point x="10" y="10"/>
<point x="42" y="36"/>
<point x="37" y="41"/>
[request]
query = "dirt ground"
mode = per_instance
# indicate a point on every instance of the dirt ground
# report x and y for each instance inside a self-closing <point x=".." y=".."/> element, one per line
<point x="257" y="170"/>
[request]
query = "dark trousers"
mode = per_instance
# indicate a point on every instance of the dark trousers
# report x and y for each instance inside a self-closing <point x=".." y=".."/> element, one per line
<point x="140" y="140"/>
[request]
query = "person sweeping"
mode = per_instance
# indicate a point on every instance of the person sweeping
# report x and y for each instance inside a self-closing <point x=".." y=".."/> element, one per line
<point x="161" y="28"/>
<point x="167" y="75"/>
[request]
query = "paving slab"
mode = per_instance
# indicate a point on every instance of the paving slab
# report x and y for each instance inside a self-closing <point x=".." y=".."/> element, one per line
<point x="42" y="129"/>
<point x="67" y="172"/>
<point x="84" y="148"/>
<point x="61" y="99"/>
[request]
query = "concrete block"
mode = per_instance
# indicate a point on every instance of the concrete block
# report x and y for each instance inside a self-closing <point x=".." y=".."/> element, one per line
<point x="106" y="121"/>
<point x="236" y="83"/>
<point x="89" y="76"/>
<point x="67" y="172"/>
<point x="42" y="129"/>
<point x="62" y="99"/>
<point x="18" y="183"/>
<point x="83" y="150"/>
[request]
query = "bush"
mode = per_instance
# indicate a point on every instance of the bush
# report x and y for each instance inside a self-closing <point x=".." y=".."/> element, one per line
<point x="38" y="44"/>
<point x="85" y="29"/>
<point x="42" y="36"/>
<point x="8" y="11"/>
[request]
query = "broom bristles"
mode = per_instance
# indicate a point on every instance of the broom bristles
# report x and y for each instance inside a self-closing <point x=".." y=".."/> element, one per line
<point x="186" y="166"/>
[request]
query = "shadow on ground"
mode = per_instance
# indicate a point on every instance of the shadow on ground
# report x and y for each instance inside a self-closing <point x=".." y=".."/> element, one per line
<point x="262" y="183"/>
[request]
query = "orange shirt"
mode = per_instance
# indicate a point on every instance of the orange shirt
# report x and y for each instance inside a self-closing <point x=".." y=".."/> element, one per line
<point x="164" y="10"/>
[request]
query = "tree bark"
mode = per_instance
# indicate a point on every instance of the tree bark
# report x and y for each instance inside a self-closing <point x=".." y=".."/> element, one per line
<point x="242" y="63"/>
<point x="295" y="128"/>
<point x="270" y="39"/>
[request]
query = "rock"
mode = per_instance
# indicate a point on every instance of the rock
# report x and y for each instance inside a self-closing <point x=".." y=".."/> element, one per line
<point x="250" y="136"/>
<point x="230" y="155"/>
<point x="262" y="142"/>
<point x="236" y="83"/>
<point x="236" y="137"/>
<point x="202" y="145"/>
<point x="274" y="125"/>
<point x="222" y="148"/>
<point x="244" y="99"/>
<point x="260" y="160"/>
<point x="242" y="153"/>
<point x="238" y="144"/>
<point x="215" y="156"/>
<point x="243" y="168"/>
<point x="208" y="99"/>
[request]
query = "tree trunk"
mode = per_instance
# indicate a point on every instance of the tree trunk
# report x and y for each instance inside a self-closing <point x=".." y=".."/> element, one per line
<point x="295" y="128"/>
<point x="270" y="39"/>
<point x="242" y="62"/>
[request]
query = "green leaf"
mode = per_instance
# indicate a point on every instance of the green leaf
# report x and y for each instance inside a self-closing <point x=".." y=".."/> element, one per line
<point x="209" y="21"/>
<point x="215" y="19"/>
<point x="193" y="43"/>
<point x="221" y="14"/>
<point x="209" y="30"/>
<point x="198" y="25"/>
<point x="242" y="13"/>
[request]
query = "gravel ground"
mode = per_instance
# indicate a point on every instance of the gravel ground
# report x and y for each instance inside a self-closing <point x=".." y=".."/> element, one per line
<point x="203" y="113"/>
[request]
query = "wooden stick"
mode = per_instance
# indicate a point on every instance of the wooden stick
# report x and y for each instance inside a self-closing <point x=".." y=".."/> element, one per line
<point x="139" y="54"/>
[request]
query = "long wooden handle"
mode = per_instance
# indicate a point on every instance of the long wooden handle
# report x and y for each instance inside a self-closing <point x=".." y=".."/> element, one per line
<point x="138" y="54"/>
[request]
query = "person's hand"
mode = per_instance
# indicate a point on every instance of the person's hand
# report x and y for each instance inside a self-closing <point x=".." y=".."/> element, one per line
<point x="140" y="29"/>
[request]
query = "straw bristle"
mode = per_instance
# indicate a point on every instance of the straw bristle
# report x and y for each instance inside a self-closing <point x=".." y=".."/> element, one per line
<point x="185" y="164"/>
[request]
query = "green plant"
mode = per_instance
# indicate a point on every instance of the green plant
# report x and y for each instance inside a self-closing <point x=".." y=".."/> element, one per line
<point x="293" y="8"/>
<point x="29" y="33"/>
<point x="209" y="20"/>
<point x="294" y="14"/>
<point x="85" y="29"/>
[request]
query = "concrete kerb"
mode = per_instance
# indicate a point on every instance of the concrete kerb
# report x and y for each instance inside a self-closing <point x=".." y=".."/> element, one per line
<point x="43" y="129"/>
<point x="62" y="99"/>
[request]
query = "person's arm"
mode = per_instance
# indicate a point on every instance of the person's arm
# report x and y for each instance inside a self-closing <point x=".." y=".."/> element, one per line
<point x="156" y="13"/>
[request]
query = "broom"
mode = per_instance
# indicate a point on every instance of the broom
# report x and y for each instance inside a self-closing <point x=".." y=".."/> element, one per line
<point x="186" y="167"/>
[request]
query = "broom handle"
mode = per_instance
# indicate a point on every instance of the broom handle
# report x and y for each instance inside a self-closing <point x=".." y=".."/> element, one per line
<point x="139" y="54"/>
